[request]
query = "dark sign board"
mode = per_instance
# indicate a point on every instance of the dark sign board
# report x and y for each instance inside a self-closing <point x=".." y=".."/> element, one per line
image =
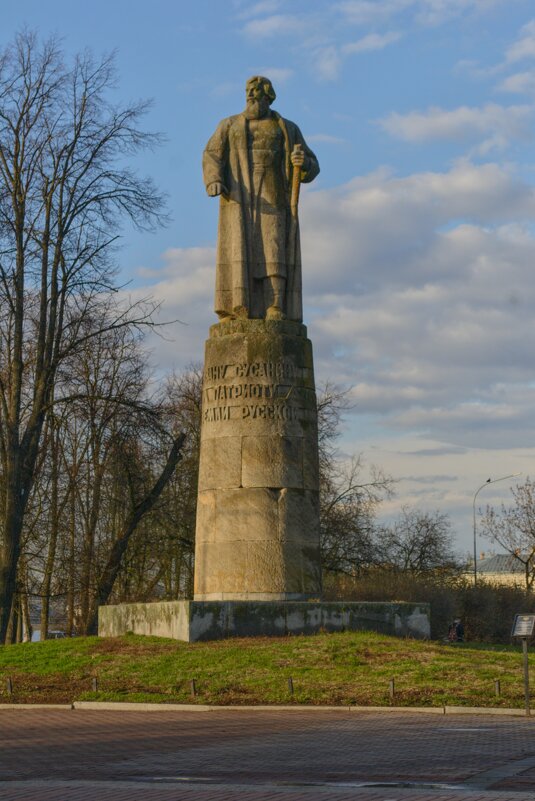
<point x="524" y="626"/>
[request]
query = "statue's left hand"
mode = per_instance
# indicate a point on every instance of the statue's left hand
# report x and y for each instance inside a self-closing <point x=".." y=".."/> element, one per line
<point x="298" y="157"/>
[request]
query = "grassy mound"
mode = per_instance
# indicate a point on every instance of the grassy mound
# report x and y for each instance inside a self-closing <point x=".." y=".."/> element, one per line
<point x="336" y="669"/>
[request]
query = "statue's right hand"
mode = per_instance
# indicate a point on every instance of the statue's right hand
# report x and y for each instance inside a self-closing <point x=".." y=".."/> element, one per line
<point x="216" y="188"/>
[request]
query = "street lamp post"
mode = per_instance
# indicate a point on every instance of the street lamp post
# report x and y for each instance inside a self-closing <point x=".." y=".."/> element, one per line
<point x="487" y="482"/>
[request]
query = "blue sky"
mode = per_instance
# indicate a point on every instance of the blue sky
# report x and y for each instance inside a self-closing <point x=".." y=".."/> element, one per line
<point x="418" y="235"/>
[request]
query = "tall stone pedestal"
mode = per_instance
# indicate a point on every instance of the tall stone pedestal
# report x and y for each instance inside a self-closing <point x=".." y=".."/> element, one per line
<point x="257" y="534"/>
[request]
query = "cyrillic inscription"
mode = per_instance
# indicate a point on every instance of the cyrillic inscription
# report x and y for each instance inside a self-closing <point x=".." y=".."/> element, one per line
<point x="225" y="398"/>
<point x="245" y="391"/>
<point x="278" y="370"/>
<point x="277" y="411"/>
<point x="266" y="370"/>
<point x="214" y="414"/>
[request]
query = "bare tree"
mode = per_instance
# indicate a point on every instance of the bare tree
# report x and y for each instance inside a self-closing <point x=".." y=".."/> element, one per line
<point x="138" y="511"/>
<point x="64" y="190"/>
<point x="419" y="542"/>
<point x="159" y="559"/>
<point x="350" y="493"/>
<point x="513" y="527"/>
<point x="178" y="518"/>
<point x="118" y="450"/>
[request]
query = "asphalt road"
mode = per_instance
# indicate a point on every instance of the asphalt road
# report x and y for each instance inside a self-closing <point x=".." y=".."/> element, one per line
<point x="82" y="755"/>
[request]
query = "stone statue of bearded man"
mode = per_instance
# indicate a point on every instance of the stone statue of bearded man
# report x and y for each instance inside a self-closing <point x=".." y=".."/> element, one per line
<point x="248" y="162"/>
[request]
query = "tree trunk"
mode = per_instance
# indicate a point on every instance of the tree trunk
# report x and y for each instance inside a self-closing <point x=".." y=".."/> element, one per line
<point x="10" y="550"/>
<point x="54" y="524"/>
<point x="71" y="569"/>
<point x="20" y="630"/>
<point x="115" y="558"/>
<point x="87" y="568"/>
<point x="26" y="619"/>
<point x="9" y="638"/>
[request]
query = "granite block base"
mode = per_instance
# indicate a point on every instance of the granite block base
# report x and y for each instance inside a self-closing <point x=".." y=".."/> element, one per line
<point x="214" y="620"/>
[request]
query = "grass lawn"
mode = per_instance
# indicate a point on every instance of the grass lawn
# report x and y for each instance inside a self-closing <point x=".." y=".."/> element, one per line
<point x="337" y="669"/>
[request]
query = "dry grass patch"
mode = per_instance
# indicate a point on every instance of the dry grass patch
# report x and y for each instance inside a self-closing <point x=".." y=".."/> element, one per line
<point x="334" y="669"/>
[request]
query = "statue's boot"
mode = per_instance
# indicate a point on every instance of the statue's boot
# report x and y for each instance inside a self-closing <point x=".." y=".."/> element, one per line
<point x="275" y="313"/>
<point x="278" y="287"/>
<point x="241" y="312"/>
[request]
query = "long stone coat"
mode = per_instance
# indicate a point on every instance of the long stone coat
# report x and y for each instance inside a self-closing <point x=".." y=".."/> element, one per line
<point x="250" y="225"/>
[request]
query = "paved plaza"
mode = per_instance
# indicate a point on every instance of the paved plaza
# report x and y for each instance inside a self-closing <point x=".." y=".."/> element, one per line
<point x="82" y="755"/>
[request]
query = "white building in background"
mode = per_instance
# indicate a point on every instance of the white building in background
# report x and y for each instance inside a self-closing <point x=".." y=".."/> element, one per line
<point x="501" y="568"/>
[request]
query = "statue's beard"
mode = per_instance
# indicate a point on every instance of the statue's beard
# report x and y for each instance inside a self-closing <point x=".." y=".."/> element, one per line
<point x="256" y="109"/>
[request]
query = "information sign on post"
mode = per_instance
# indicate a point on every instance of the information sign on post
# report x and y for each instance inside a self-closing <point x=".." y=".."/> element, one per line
<point x="524" y="628"/>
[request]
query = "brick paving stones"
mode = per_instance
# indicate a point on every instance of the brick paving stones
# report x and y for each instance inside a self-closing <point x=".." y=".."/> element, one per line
<point x="262" y="756"/>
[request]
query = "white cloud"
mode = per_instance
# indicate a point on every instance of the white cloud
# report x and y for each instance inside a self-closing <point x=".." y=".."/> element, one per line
<point x="497" y="124"/>
<point x="431" y="479"/>
<point x="225" y="89"/>
<point x="263" y="7"/>
<point x="311" y="35"/>
<point x="275" y="74"/>
<point x="327" y="139"/>
<point x="319" y="33"/>
<point x="184" y="287"/>
<point x="373" y="41"/>
<point x="424" y="12"/>
<point x="437" y="12"/>
<point x="519" y="83"/>
<point x="456" y="474"/>
<point x="273" y="25"/>
<point x="524" y="47"/>
<point x="369" y="12"/>
<point x="327" y="62"/>
<point x="466" y="65"/>
<point x="426" y="308"/>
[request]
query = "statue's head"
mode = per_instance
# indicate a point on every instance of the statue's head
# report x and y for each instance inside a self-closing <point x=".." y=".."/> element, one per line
<point x="259" y="95"/>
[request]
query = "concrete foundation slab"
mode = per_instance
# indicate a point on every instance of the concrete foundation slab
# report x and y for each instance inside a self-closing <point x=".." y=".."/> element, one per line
<point x="214" y="620"/>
